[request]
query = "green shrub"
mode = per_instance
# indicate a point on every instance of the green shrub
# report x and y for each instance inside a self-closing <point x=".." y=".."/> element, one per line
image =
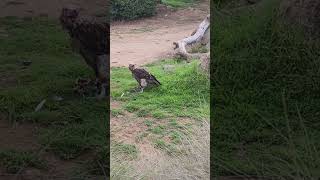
<point x="132" y="9"/>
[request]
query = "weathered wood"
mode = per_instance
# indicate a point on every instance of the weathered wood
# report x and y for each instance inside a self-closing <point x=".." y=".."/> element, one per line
<point x="200" y="35"/>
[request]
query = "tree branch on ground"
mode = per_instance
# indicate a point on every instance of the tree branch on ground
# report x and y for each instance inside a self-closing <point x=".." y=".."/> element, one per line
<point x="200" y="36"/>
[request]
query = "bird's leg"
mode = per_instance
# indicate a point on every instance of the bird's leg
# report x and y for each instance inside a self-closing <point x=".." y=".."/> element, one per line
<point x="102" y="91"/>
<point x="141" y="91"/>
<point x="98" y="86"/>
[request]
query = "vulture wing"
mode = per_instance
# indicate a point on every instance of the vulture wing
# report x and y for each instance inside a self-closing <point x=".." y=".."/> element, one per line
<point x="154" y="79"/>
<point x="143" y="74"/>
<point x="94" y="36"/>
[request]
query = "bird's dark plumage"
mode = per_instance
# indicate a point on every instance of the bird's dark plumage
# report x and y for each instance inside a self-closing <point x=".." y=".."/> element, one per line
<point x="90" y="38"/>
<point x="143" y="77"/>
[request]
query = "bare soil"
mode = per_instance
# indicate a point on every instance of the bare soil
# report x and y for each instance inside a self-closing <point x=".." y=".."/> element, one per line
<point x="147" y="40"/>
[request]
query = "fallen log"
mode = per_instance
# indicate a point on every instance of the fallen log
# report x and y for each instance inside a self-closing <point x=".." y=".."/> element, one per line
<point x="200" y="35"/>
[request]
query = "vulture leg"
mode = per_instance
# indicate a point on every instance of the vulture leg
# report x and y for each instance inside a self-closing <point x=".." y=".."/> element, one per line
<point x="143" y="84"/>
<point x="101" y="71"/>
<point x="141" y="91"/>
<point x="103" y="90"/>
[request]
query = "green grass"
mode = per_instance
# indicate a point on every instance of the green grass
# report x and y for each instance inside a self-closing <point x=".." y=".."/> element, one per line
<point x="183" y="92"/>
<point x="70" y="127"/>
<point x="265" y="97"/>
<point x="178" y="3"/>
<point x="14" y="160"/>
<point x="116" y="112"/>
<point x="126" y="151"/>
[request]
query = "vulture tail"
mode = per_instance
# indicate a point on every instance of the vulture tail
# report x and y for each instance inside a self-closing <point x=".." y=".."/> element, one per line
<point x="155" y="80"/>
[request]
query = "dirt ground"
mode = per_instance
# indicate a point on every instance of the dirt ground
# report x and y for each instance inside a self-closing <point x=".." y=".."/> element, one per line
<point x="150" y="39"/>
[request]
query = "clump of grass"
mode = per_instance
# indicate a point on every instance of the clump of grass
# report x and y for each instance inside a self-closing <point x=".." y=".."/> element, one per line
<point x="198" y="49"/>
<point x="125" y="151"/>
<point x="14" y="160"/>
<point x="116" y="112"/>
<point x="142" y="113"/>
<point x="169" y="148"/>
<point x="158" y="129"/>
<point x="148" y="123"/>
<point x="175" y="136"/>
<point x="265" y="83"/>
<point x="178" y="3"/>
<point x="158" y="114"/>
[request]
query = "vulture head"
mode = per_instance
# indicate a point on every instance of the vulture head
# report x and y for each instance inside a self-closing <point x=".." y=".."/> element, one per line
<point x="68" y="16"/>
<point x="132" y="67"/>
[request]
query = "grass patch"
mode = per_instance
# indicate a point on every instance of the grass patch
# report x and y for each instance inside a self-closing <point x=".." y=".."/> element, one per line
<point x="264" y="97"/>
<point x="14" y="160"/>
<point x="148" y="123"/>
<point x="182" y="93"/>
<point x="169" y="148"/>
<point x="178" y="3"/>
<point x="71" y="126"/>
<point x="116" y="112"/>
<point x="142" y="113"/>
<point x="125" y="151"/>
<point x="158" y="129"/>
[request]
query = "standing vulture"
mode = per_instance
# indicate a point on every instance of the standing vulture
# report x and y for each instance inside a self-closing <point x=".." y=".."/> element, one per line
<point x="90" y="38"/>
<point x="143" y="77"/>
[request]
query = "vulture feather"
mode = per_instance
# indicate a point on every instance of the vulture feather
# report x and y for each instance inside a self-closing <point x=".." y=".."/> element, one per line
<point x="90" y="38"/>
<point x="143" y="77"/>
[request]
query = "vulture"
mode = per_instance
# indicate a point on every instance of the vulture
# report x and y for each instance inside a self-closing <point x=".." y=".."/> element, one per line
<point x="89" y="38"/>
<point x="143" y="77"/>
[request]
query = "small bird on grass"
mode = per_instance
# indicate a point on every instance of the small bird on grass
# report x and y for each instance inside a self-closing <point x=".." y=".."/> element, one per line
<point x="143" y="77"/>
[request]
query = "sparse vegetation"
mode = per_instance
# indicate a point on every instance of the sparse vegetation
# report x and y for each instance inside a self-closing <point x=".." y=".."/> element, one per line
<point x="71" y="126"/>
<point x="188" y="160"/>
<point x="14" y="160"/>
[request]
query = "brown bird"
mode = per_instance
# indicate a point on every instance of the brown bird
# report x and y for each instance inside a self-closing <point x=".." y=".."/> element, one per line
<point x="90" y="38"/>
<point x="143" y="77"/>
